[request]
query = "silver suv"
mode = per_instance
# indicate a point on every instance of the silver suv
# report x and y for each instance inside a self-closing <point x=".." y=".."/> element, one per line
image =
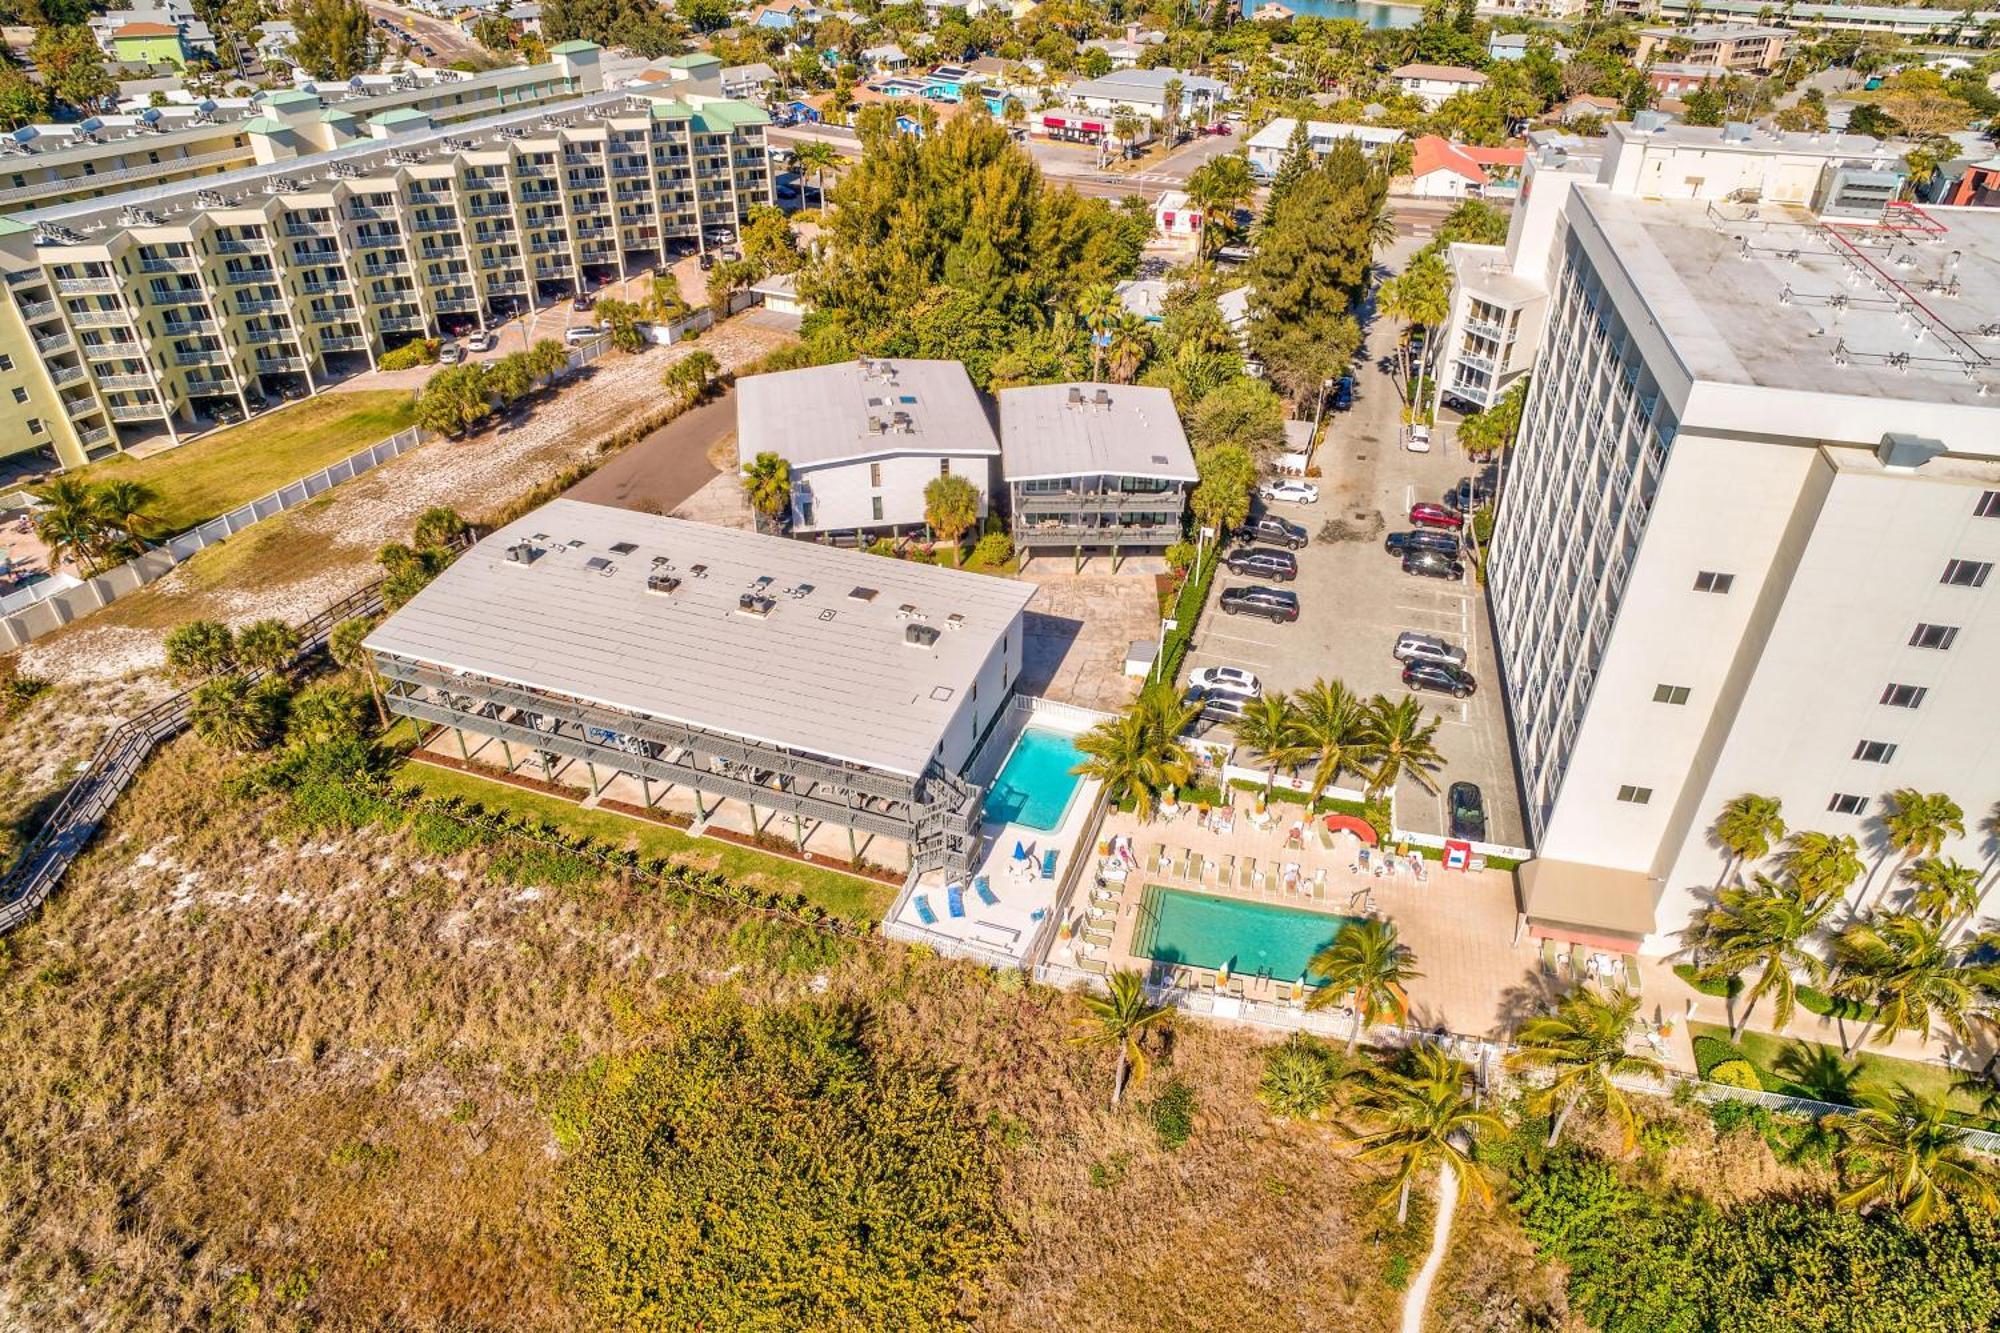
<point x="1412" y="646"/>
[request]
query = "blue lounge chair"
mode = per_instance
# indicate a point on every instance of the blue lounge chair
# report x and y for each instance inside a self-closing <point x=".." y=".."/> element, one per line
<point x="954" y="899"/>
<point x="924" y="912"/>
<point x="1049" y="865"/>
<point x="985" y="892"/>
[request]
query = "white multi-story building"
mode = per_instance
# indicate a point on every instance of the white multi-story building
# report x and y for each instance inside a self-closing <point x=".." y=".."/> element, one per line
<point x="864" y="438"/>
<point x="1267" y="147"/>
<point x="1746" y="533"/>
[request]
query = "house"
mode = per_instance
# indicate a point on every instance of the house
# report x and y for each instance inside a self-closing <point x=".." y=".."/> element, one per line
<point x="1978" y="187"/>
<point x="178" y="15"/>
<point x="780" y="293"/>
<point x="1144" y="297"/>
<point x="1671" y="79"/>
<point x="150" y="44"/>
<point x="1440" y="169"/>
<point x="525" y="15"/>
<point x="885" y="59"/>
<point x="1094" y="468"/>
<point x="1123" y="54"/>
<point x="1731" y="48"/>
<point x="1268" y="146"/>
<point x="1588" y="107"/>
<point x="1507" y="46"/>
<point x="274" y="41"/>
<point x="1437" y="84"/>
<point x="1144" y="91"/>
<point x="864" y="438"/>
<point x="748" y="82"/>
<point x="1176" y="220"/>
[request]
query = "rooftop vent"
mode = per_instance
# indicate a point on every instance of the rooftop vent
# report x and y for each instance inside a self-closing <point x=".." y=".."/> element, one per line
<point x="699" y="571"/>
<point x="661" y="583"/>
<point x="1907" y="451"/>
<point x="1649" y="122"/>
<point x="1102" y="398"/>
<point x="1736" y="131"/>
<point x="599" y="565"/>
<point x="523" y="553"/>
<point x="1075" y="396"/>
<point x="862" y="594"/>
<point x="803" y="590"/>
<point x="954" y="621"/>
<point x="908" y="611"/>
<point x="623" y="548"/>
<point x="920" y="636"/>
<point x="750" y="604"/>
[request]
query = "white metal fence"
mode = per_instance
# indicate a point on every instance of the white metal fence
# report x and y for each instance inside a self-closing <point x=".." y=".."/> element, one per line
<point x="49" y="612"/>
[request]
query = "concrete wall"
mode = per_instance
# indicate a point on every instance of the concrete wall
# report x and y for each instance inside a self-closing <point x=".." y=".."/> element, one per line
<point x="988" y="695"/>
<point x="841" y="492"/>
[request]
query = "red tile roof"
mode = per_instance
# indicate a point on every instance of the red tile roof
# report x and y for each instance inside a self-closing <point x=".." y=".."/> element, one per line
<point x="1434" y="154"/>
<point x="146" y="30"/>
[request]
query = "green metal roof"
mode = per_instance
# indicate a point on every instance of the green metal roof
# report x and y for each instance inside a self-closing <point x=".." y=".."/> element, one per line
<point x="400" y="116"/>
<point x="672" y="111"/>
<point x="12" y="226"/>
<point x="719" y="117"/>
<point x="694" y="60"/>
<point x="335" y="114"/>
<point x="572" y="47"/>
<point x="292" y="97"/>
<point x="265" y="125"/>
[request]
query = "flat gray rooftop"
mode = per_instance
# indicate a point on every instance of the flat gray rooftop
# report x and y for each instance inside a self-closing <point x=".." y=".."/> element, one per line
<point x="825" y="672"/>
<point x="862" y="409"/>
<point x="1765" y="295"/>
<point x="1063" y="430"/>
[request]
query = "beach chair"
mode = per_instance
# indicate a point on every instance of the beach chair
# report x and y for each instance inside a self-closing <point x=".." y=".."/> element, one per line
<point x="1101" y="938"/>
<point x="1256" y="877"/>
<point x="1196" y="868"/>
<point x="1548" y="958"/>
<point x="1579" y="961"/>
<point x="1095" y="966"/>
<point x="1325" y="838"/>
<point x="1418" y="868"/>
<point x="924" y="912"/>
<point x="1245" y="871"/>
<point x="985" y="892"/>
<point x="1631" y="973"/>
<point x="1291" y="876"/>
<point x="1156" y="860"/>
<point x="1319" y="884"/>
<point x="1283" y="990"/>
<point x="1226" y="874"/>
<point x="1049" y="863"/>
<point x="954" y="899"/>
<point x="1236" y="987"/>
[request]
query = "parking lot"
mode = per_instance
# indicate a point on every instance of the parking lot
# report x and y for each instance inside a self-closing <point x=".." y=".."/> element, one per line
<point x="1354" y="599"/>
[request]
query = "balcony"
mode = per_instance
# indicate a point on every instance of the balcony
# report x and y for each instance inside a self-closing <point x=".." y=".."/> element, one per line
<point x="344" y="342"/>
<point x="1039" y="532"/>
<point x="86" y="286"/>
<point x="79" y="407"/>
<point x="426" y="197"/>
<point x="112" y="349"/>
<point x="452" y="305"/>
<point x="279" y="365"/>
<point x="95" y="436"/>
<point x="506" y="287"/>
<point x="325" y="285"/>
<point x="398" y="323"/>
<point x="384" y="270"/>
<point x="168" y="296"/>
<point x="366" y="213"/>
<point x="201" y="356"/>
<point x="1489" y="331"/>
<point x="126" y="178"/>
<point x="491" y="210"/>
<point x="170" y="264"/>
<point x="61" y="376"/>
<point x="35" y="310"/>
<point x="435" y="224"/>
<point x="311" y="227"/>
<point x="242" y="245"/>
<point x="236" y="277"/>
<point x="136" y="411"/>
<point x="99" y="319"/>
<point x="262" y="307"/>
<point x="337" y="314"/>
<point x="622" y="170"/>
<point x="190" y="328"/>
<point x="55" y="342"/>
<point x="124" y="381"/>
<point x="1097" y="502"/>
<point x="544" y="247"/>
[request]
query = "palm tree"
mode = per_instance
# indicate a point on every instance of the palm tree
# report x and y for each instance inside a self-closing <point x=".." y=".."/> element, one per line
<point x="1583" y="1043"/>
<point x="1764" y="926"/>
<point x="1218" y="187"/>
<point x="1369" y="965"/>
<point x="1099" y="308"/>
<point x="1139" y="753"/>
<point x="548" y="359"/>
<point x="1826" y="863"/>
<point x="233" y="714"/>
<point x="1270" y="726"/>
<point x="1399" y="743"/>
<point x="951" y="505"/>
<point x="1300" y="1079"/>
<point x="768" y="482"/>
<point x="1917" y="825"/>
<point x="1902" y="966"/>
<point x="1328" y="721"/>
<point x="1424" y="1117"/>
<point x="818" y="157"/>
<point x="127" y="506"/>
<point x="69" y="523"/>
<point x="1899" y="1151"/>
<point x="1942" y="891"/>
<point x="344" y="647"/>
<point x="1421" y="297"/>
<point x="1746" y="828"/>
<point x="1121" y="1019"/>
<point x="693" y="375"/>
<point x="1131" y="339"/>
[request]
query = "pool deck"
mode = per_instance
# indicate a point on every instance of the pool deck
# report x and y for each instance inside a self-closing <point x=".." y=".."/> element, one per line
<point x="1459" y="924"/>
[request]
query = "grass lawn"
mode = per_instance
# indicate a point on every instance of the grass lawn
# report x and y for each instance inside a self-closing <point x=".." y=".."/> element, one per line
<point x="1879" y="1073"/>
<point x="198" y="481"/>
<point x="845" y="895"/>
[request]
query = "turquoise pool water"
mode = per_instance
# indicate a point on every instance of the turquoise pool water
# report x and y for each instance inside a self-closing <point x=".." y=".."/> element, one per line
<point x="1202" y="930"/>
<point x="1035" y="785"/>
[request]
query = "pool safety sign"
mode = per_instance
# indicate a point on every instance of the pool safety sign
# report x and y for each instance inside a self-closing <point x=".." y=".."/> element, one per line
<point x="1457" y="855"/>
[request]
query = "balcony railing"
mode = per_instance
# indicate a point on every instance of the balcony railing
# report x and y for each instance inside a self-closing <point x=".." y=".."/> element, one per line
<point x="436" y="224"/>
<point x="65" y="375"/>
<point x="338" y="313"/>
<point x="201" y="356"/>
<point x="242" y="245"/>
<point x="111" y="350"/>
<point x="428" y="197"/>
<point x="1098" y="502"/>
<point x="261" y="307"/>
<point x="96" y="435"/>
<point x="35" y="310"/>
<point x="86" y="286"/>
<point x="384" y="270"/>
<point x="491" y="210"/>
<point x="124" y="381"/>
<point x="189" y="328"/>
<point x="99" y="319"/>
<point x="259" y="336"/>
<point x="170" y="264"/>
<point x="311" y="227"/>
<point x="325" y="285"/>
<point x="278" y="365"/>
<point x="149" y="174"/>
<point x="137" y="411"/>
<point x="79" y="407"/>
<point x="398" y="323"/>
<point x="344" y="342"/>
<point x="237" y="276"/>
<point x="55" y="342"/>
<point x="1034" y="533"/>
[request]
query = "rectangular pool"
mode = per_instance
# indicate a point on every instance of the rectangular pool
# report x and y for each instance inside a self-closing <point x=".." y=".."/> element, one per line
<point x="1035" y="785"/>
<point x="1203" y="930"/>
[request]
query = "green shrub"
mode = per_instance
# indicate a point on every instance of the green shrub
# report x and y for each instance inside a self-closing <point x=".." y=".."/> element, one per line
<point x="200" y="648"/>
<point x="785" y="948"/>
<point x="1172" y="1114"/>
<point x="1712" y="1051"/>
<point x="994" y="549"/>
<point x="1834" y="1006"/>
<point x="1720" y="987"/>
<point x="1300" y="1078"/>
<point x="416" y="352"/>
<point x="1737" y="1073"/>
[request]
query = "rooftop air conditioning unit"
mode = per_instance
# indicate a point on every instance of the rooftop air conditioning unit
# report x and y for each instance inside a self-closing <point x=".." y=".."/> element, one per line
<point x="1103" y="398"/>
<point x="920" y="636"/>
<point x="1075" y="396"/>
<point x="752" y="604"/>
<point x="661" y="583"/>
<point x="523" y="553"/>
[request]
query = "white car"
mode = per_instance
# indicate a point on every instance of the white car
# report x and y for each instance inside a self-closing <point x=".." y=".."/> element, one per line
<point x="584" y="333"/>
<point x="479" y="342"/>
<point x="1225" y="680"/>
<point x="1415" y="646"/>
<point x="1290" y="492"/>
<point x="1417" y="438"/>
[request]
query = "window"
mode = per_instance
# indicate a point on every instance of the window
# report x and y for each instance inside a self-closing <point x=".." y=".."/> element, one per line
<point x="875" y="505"/>
<point x="1904" y="696"/>
<point x="6" y="362"/>
<point x="1843" y="804"/>
<point x="944" y="467"/>
<point x="1670" y="694"/>
<point x="1874" y="752"/>
<point x="1967" y="573"/>
<point x="1710" y="581"/>
<point x="1934" y="636"/>
<point x="20" y="394"/>
<point x="1635" y="795"/>
<point x="875" y="479"/>
<point x="1988" y="506"/>
<point x="34" y="425"/>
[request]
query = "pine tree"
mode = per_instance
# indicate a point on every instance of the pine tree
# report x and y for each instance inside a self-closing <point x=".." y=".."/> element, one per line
<point x="1298" y="164"/>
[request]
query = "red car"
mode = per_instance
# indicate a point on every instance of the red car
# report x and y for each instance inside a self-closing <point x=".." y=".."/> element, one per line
<point x="1434" y="516"/>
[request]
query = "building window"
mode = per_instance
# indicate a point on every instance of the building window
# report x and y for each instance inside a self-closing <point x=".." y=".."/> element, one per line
<point x="20" y="394"/>
<point x="1670" y="694"/>
<point x="34" y="425"/>
<point x="1635" y="795"/>
<point x="875" y="479"/>
<point x="1710" y="581"/>
<point x="1988" y="506"/>
<point x="1967" y="573"/>
<point x="1843" y="804"/>
<point x="944" y="467"/>
<point x="875" y="505"/>
<point x="1934" y="636"/>
<point x="1874" y="752"/>
<point x="6" y="362"/>
<point x="1904" y="696"/>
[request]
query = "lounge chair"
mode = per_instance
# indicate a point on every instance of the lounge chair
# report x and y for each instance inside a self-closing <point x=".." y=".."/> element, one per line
<point x="1196" y="867"/>
<point x="924" y="912"/>
<point x="1101" y="938"/>
<point x="1291" y="876"/>
<point x="985" y="892"/>
<point x="954" y="899"/>
<point x="1227" y="872"/>
<point x="1156" y="860"/>
<point x="1319" y="884"/>
<point x="1245" y="871"/>
<point x="1631" y="973"/>
<point x="1256" y="877"/>
<point x="1325" y="838"/>
<point x="1095" y="966"/>
<point x="1548" y="958"/>
<point x="1049" y="864"/>
<point x="1236" y="987"/>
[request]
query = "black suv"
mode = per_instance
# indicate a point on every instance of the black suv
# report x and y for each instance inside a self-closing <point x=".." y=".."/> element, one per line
<point x="1468" y="812"/>
<point x="1277" y="531"/>
<point x="1436" y="676"/>
<point x="1432" y="565"/>
<point x="1343" y="393"/>
<point x="1273" y="605"/>
<point x="1470" y="493"/>
<point x="1423" y="539"/>
<point x="1259" y="562"/>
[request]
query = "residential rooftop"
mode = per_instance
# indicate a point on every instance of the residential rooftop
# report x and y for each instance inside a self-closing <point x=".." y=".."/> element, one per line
<point x="1082" y="430"/>
<point x="847" y="656"/>
<point x="862" y="409"/>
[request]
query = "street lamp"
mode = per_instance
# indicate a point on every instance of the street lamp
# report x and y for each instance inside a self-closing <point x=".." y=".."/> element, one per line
<point x="1319" y="412"/>
<point x="1167" y="626"/>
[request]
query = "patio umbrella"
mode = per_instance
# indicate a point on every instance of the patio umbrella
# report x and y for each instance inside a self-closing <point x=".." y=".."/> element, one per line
<point x="1020" y="852"/>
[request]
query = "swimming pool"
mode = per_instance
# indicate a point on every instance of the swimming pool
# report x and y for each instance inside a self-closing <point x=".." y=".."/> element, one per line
<point x="1035" y="785"/>
<point x="1202" y="930"/>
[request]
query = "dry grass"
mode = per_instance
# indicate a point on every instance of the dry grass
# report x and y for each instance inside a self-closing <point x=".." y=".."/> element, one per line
<point x="253" y="1080"/>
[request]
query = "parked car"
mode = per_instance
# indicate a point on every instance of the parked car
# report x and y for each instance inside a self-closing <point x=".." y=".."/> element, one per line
<point x="583" y="301"/>
<point x="1421" y="539"/>
<point x="1469" y="493"/>
<point x="1343" y="394"/>
<point x="1270" y="603"/>
<point x="1223" y="709"/>
<point x="584" y="333"/>
<point x="1468" y="812"/>
<point x="1290" y="492"/>
<point x="1263" y="563"/>
<point x="1438" y="678"/>
<point x="1416" y="646"/>
<point x="1277" y="531"/>
<point x="707" y="261"/>
<point x="450" y="353"/>
<point x="1433" y="565"/>
<point x="1426" y="515"/>
<point x="1225" y="680"/>
<point x="479" y="342"/>
<point x="1417" y="438"/>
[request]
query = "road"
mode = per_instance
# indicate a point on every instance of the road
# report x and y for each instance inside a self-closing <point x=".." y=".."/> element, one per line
<point x="443" y="37"/>
<point x="658" y="473"/>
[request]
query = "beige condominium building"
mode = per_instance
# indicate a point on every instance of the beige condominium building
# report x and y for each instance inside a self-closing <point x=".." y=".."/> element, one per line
<point x="1745" y="537"/>
<point x="141" y="316"/>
